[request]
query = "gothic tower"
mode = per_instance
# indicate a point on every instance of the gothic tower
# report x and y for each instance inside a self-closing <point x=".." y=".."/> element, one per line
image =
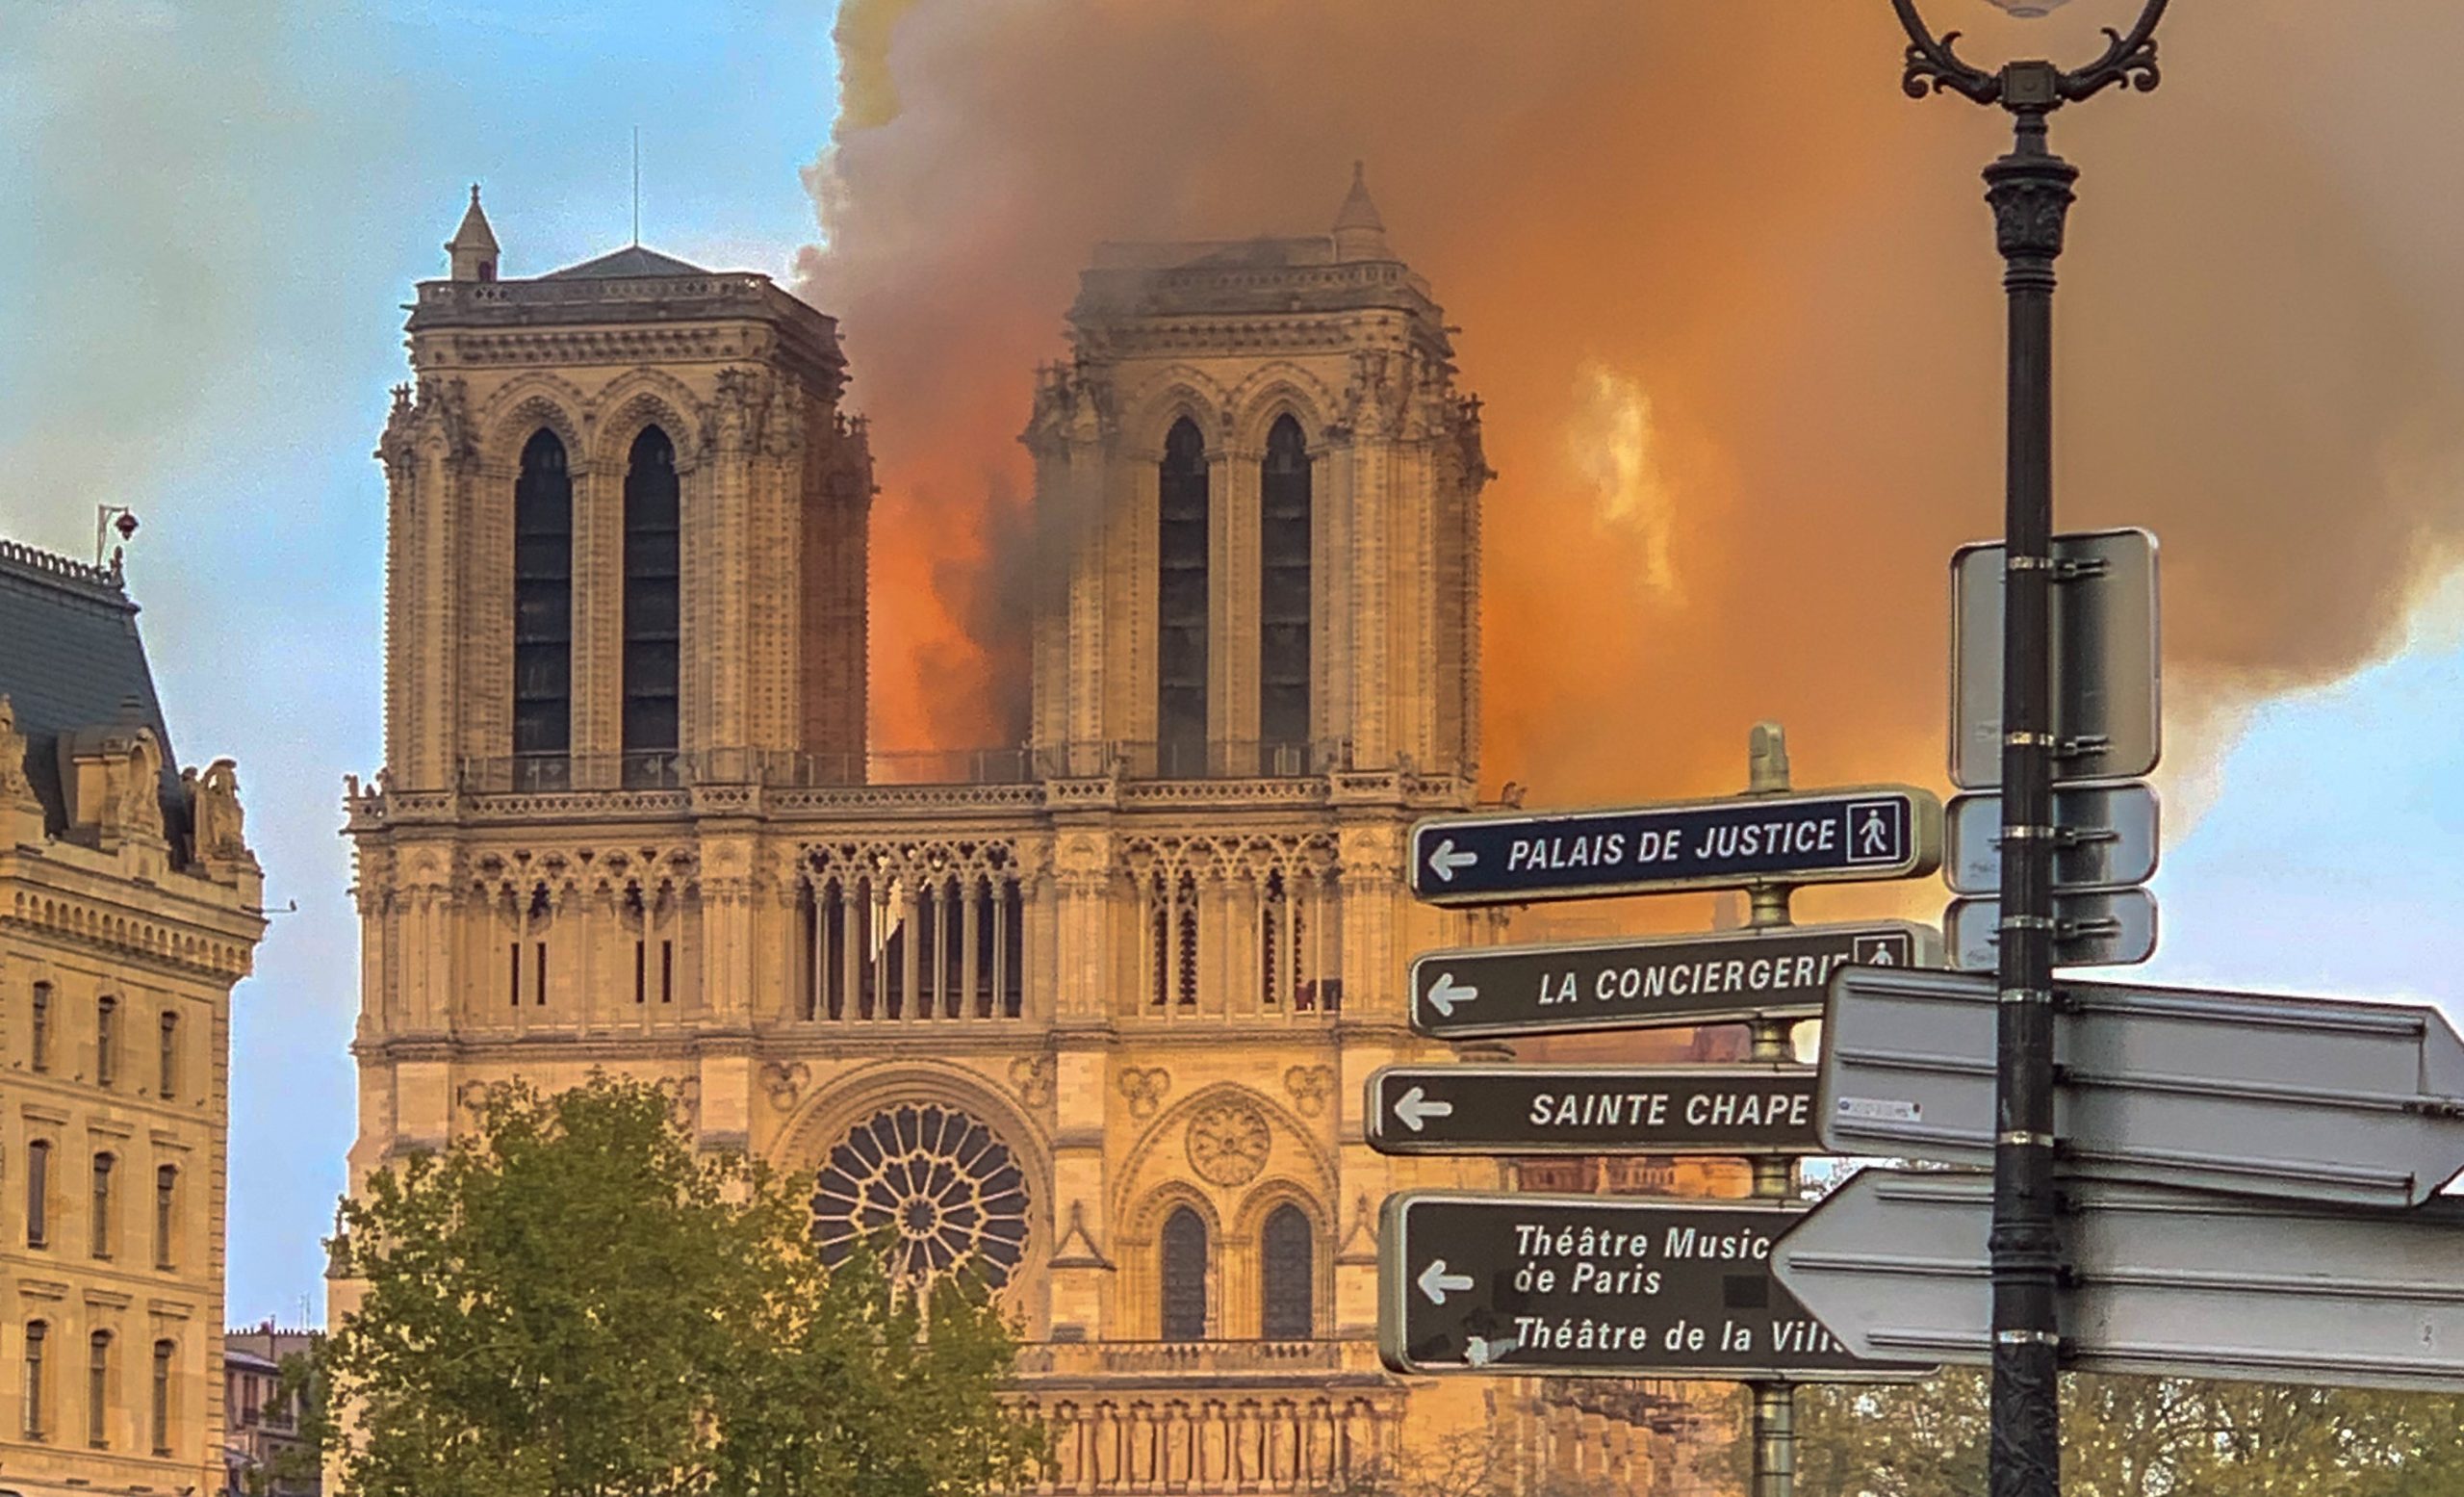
<point x="1269" y="487"/>
<point x="627" y="528"/>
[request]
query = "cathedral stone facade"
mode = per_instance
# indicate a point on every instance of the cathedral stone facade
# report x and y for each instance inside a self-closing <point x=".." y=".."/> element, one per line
<point x="1096" y="1011"/>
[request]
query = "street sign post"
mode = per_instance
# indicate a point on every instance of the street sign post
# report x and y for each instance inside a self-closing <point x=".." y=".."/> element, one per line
<point x="1863" y="833"/>
<point x="2161" y="1283"/>
<point x="1724" y="977"/>
<point x="2106" y="712"/>
<point x="2315" y="1100"/>
<point x="1580" y="1284"/>
<point x="2104" y="927"/>
<point x="1766" y="1109"/>
<point x="2104" y="838"/>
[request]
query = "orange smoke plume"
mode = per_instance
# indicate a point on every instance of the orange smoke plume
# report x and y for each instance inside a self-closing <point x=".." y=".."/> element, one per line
<point x="1734" y="304"/>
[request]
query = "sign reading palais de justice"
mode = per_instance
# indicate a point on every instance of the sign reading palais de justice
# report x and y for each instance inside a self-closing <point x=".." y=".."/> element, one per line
<point x="1593" y="1109"/>
<point x="1559" y="1284"/>
<point x="1724" y="977"/>
<point x="1872" y="832"/>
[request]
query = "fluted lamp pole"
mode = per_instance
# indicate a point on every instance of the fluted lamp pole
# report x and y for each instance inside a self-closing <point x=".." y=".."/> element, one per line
<point x="2030" y="191"/>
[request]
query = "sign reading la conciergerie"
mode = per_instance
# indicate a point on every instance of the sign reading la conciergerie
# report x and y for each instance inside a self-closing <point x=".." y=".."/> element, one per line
<point x="1718" y="978"/>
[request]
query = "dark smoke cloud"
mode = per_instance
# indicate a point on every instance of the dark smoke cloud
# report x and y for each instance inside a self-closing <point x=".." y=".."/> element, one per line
<point x="1732" y="301"/>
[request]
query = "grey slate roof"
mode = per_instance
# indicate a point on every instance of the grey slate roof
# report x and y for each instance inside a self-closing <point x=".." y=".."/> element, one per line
<point x="70" y="660"/>
<point x="630" y="260"/>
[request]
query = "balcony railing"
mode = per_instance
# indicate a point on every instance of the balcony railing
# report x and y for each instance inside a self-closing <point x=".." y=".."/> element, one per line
<point x="779" y="770"/>
<point x="1207" y="1422"/>
<point x="1203" y="1359"/>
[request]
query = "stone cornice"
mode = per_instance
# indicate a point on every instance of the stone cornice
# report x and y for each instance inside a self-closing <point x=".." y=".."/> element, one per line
<point x="886" y="807"/>
<point x="216" y="942"/>
<point x="439" y="351"/>
<point x="866" y="1040"/>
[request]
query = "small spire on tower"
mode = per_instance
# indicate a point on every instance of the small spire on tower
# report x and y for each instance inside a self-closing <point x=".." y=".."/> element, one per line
<point x="473" y="248"/>
<point x="1360" y="234"/>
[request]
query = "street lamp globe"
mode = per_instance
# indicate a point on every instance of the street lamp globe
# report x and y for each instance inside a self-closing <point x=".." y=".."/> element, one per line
<point x="2026" y="10"/>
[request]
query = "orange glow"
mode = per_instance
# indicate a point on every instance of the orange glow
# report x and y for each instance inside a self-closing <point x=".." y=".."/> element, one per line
<point x="1733" y="306"/>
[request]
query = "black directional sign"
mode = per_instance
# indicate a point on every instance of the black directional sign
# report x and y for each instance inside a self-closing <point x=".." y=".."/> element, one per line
<point x="1870" y="832"/>
<point x="1590" y="1109"/>
<point x="1722" y="978"/>
<point x="1576" y="1284"/>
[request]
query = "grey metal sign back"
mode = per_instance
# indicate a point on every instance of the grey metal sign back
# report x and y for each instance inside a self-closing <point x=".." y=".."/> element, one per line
<point x="2106" y="712"/>
<point x="2102" y="927"/>
<point x="2162" y="1282"/>
<point x="1854" y="834"/>
<point x="1723" y="977"/>
<point x="1592" y="1109"/>
<point x="2106" y="837"/>
<point x="1588" y="1285"/>
<point x="2315" y="1100"/>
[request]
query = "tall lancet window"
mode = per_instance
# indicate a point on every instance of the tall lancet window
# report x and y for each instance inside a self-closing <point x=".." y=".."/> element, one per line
<point x="543" y="609"/>
<point x="1181" y="603"/>
<point x="1184" y="1296"/>
<point x="650" y="612"/>
<point x="1288" y="1260"/>
<point x="1283" y="600"/>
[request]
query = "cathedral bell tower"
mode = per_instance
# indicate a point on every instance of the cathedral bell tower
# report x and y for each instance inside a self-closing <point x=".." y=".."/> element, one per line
<point x="626" y="529"/>
<point x="1268" y="488"/>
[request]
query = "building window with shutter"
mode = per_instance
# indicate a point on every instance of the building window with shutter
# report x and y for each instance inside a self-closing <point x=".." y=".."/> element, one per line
<point x="41" y="1057"/>
<point x="168" y="1059"/>
<point x="37" y="1336"/>
<point x="166" y="1191"/>
<point x="39" y="1193"/>
<point x="162" y="1421"/>
<point x="102" y="1214"/>
<point x="98" y="1388"/>
<point x="106" y="1040"/>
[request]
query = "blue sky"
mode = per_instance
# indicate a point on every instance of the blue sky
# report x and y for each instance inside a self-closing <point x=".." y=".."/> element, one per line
<point x="210" y="237"/>
<point x="212" y="223"/>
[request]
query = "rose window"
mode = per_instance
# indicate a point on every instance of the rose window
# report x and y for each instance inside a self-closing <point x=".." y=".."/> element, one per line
<point x="932" y="1187"/>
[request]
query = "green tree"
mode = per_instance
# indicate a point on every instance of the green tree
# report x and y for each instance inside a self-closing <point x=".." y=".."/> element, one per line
<point x="576" y="1304"/>
<point x="2135" y="1437"/>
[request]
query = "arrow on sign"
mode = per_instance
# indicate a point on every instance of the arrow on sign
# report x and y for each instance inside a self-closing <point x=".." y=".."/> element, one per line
<point x="1447" y="992"/>
<point x="2161" y="1283"/>
<point x="1444" y="861"/>
<point x="1414" y="1106"/>
<point x="1436" y="1283"/>
<point x="2252" y="1092"/>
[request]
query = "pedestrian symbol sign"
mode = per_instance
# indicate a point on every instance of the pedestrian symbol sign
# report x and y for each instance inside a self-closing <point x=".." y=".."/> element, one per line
<point x="1877" y="829"/>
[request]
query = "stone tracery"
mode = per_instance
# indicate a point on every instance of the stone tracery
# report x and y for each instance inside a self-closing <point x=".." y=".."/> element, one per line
<point x="929" y="1185"/>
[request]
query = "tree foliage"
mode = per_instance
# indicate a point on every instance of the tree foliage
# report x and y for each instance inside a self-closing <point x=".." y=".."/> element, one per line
<point x="576" y="1304"/>
<point x="2135" y="1437"/>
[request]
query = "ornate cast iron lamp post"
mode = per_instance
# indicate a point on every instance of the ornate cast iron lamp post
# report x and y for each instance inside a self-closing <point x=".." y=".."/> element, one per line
<point x="2030" y="193"/>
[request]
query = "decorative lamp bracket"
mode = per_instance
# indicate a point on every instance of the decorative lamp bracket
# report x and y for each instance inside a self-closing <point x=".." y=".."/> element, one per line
<point x="2028" y="87"/>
